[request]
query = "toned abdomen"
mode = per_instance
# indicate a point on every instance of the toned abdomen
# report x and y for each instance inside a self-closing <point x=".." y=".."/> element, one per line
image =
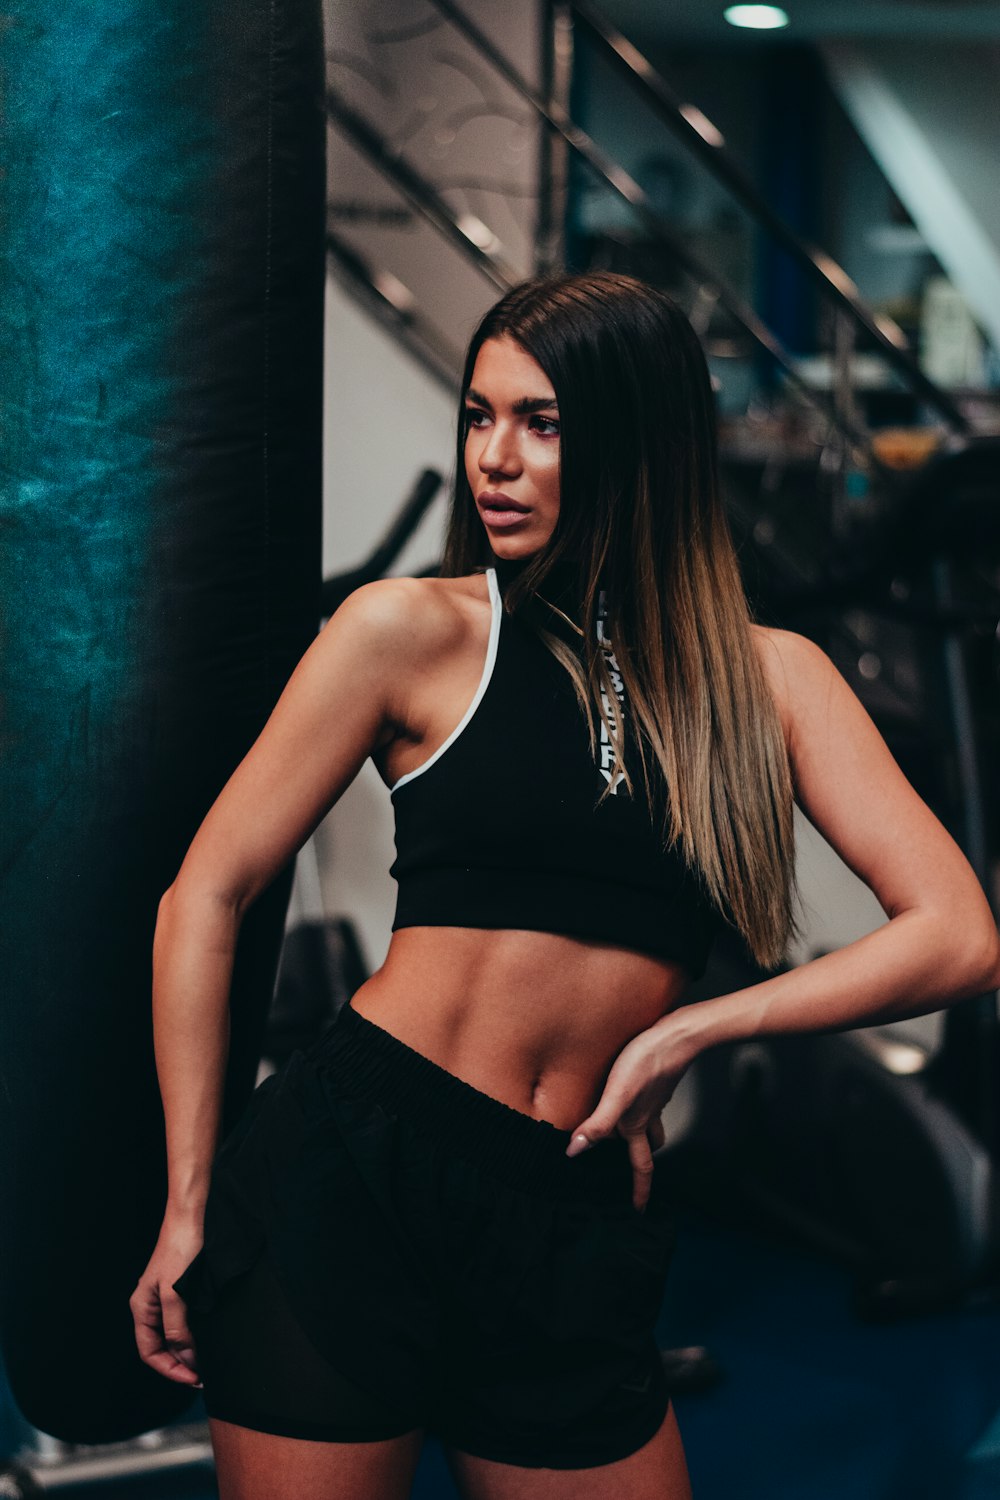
<point x="534" y="1019"/>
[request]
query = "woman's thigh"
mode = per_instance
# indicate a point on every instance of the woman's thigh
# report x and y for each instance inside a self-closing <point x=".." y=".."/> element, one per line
<point x="285" y="1423"/>
<point x="656" y="1471"/>
<point x="253" y="1465"/>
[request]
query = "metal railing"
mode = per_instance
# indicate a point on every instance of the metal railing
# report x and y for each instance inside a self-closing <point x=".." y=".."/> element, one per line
<point x="704" y="141"/>
<point x="854" y="315"/>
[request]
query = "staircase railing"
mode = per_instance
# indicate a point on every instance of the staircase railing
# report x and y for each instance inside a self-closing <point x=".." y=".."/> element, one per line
<point x="701" y="138"/>
<point x="558" y="119"/>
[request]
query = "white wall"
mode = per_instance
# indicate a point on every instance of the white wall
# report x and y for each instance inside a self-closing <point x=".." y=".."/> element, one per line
<point x="837" y="907"/>
<point x="458" y="125"/>
<point x="385" y="419"/>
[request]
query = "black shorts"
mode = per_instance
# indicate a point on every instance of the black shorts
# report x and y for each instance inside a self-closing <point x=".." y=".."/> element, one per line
<point x="387" y="1247"/>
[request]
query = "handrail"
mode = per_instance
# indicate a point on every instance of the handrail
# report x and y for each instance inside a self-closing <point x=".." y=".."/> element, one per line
<point x="408" y="326"/>
<point x="702" y="138"/>
<point x="414" y="188"/>
<point x="698" y="135"/>
<point x="559" y="120"/>
<point x="385" y="552"/>
<point x="420" y="193"/>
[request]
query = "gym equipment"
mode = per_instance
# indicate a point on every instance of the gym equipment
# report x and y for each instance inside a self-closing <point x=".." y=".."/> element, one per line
<point x="336" y="589"/>
<point x="163" y="262"/>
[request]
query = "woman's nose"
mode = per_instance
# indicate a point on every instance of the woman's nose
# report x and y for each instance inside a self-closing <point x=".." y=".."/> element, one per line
<point x="498" y="454"/>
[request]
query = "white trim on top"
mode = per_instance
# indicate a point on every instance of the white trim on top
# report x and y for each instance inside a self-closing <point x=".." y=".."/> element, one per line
<point x="484" y="682"/>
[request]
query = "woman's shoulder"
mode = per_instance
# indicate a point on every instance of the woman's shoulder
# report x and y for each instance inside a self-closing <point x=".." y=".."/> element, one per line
<point x="796" y="669"/>
<point x="417" y="616"/>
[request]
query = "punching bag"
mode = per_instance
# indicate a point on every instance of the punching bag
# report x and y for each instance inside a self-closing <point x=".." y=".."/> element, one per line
<point x="161" y="294"/>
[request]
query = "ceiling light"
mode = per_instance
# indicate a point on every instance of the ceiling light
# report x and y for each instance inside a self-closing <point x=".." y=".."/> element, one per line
<point x="758" y="17"/>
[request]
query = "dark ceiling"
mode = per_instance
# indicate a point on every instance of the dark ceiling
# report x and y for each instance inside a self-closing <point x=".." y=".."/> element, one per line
<point x="702" y="20"/>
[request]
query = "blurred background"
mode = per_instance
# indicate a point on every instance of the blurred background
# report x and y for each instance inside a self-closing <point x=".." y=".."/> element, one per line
<point x="816" y="185"/>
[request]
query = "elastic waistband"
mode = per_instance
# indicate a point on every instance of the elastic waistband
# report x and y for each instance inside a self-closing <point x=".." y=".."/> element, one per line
<point x="370" y="1063"/>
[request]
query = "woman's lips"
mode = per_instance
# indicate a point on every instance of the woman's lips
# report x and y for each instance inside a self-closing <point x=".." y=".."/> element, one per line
<point x="503" y="517"/>
<point x="500" y="511"/>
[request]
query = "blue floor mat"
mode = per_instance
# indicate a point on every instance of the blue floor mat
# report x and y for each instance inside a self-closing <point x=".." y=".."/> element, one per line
<point x="815" y="1402"/>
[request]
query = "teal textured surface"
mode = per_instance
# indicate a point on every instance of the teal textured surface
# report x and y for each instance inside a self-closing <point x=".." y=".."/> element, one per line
<point x="161" y="288"/>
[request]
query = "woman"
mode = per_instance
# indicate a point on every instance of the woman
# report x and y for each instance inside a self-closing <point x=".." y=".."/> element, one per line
<point x="445" y="1214"/>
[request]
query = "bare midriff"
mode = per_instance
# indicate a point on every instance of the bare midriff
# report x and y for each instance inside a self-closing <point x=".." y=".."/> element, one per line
<point x="534" y="1019"/>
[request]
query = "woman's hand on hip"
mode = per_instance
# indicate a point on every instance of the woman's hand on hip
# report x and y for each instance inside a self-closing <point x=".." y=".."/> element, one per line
<point x="162" y="1334"/>
<point x="639" y="1085"/>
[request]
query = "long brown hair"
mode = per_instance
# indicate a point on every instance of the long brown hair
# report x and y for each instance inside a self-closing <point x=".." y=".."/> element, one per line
<point x="641" y="516"/>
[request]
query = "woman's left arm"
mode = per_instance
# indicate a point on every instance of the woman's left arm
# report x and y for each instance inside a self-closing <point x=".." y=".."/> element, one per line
<point x="939" y="945"/>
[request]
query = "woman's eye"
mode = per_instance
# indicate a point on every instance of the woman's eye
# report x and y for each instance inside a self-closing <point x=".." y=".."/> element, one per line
<point x="547" y="426"/>
<point x="474" y="417"/>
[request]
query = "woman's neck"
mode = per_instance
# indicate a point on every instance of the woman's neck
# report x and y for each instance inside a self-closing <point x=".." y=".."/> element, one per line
<point x="561" y="586"/>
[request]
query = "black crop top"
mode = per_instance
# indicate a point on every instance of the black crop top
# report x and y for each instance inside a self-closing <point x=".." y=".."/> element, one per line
<point x="498" y="828"/>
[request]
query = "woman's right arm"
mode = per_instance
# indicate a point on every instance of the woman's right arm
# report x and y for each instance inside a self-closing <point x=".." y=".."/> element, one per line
<point x="193" y="950"/>
<point x="346" y="698"/>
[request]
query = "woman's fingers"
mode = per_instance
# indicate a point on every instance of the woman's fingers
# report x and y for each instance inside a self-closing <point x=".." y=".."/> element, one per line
<point x="641" y="1146"/>
<point x="642" y="1168"/>
<point x="166" y="1363"/>
<point x="161" y="1334"/>
<point x="176" y="1331"/>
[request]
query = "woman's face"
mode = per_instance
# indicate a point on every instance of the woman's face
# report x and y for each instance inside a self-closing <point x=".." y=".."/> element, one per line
<point x="512" y="448"/>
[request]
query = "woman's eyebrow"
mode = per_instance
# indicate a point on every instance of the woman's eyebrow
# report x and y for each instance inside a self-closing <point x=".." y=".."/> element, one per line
<point x="523" y="407"/>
